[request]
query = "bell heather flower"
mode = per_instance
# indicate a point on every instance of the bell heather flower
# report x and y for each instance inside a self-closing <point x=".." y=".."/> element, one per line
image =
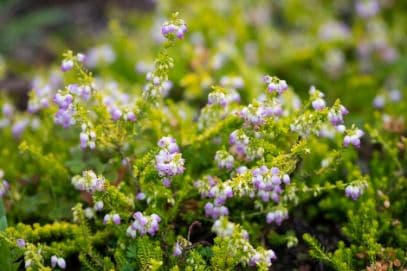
<point x="141" y="196"/>
<point x="177" y="249"/>
<point x="240" y="142"/>
<point x="277" y="216"/>
<point x="224" y="160"/>
<point x="20" y="243"/>
<point x="58" y="261"/>
<point x="67" y="64"/>
<point x="87" y="138"/>
<point x="169" y="161"/>
<point x="65" y="117"/>
<point x="318" y="104"/>
<point x="262" y="257"/>
<point x="379" y="101"/>
<point x="215" y="211"/>
<point x="98" y="206"/>
<point x="223" y="228"/>
<point x="143" y="225"/>
<point x="8" y="110"/>
<point x="80" y="57"/>
<point x="88" y="182"/>
<point x="275" y="85"/>
<point x="19" y="127"/>
<point x="63" y="101"/>
<point x="335" y="115"/>
<point x="177" y="28"/>
<point x="82" y="91"/>
<point x="130" y="116"/>
<point x="367" y="8"/>
<point x="354" y="191"/>
<point x="395" y="95"/>
<point x="112" y="218"/>
<point x="353" y="137"/>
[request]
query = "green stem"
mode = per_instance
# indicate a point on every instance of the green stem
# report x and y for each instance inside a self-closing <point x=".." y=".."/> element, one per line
<point x="3" y="218"/>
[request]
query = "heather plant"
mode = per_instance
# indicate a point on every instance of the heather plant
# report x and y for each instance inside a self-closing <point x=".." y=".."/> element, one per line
<point x="203" y="161"/>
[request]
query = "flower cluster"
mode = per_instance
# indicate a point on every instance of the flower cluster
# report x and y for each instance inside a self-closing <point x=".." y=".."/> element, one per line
<point x="82" y="91"/>
<point x="211" y="187"/>
<point x="239" y="142"/>
<point x="169" y="161"/>
<point x="264" y="257"/>
<point x="176" y="28"/>
<point x="367" y="8"/>
<point x="43" y="90"/>
<point x="143" y="225"/>
<point x="65" y="99"/>
<point x="223" y="96"/>
<point x="88" y="182"/>
<point x="256" y="114"/>
<point x="318" y="102"/>
<point x="355" y="190"/>
<point x="277" y="216"/>
<point x="335" y="115"/>
<point x="268" y="182"/>
<point x="353" y="137"/>
<point x="68" y="63"/>
<point x="87" y="137"/>
<point x="158" y="84"/>
<point x="58" y="261"/>
<point x="223" y="228"/>
<point x="112" y="218"/>
<point x="381" y="99"/>
<point x="65" y="113"/>
<point x="224" y="160"/>
<point x="274" y="84"/>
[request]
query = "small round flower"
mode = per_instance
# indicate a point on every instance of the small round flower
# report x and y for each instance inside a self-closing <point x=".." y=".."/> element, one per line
<point x="89" y="213"/>
<point x="177" y="250"/>
<point x="318" y="104"/>
<point x="88" y="182"/>
<point x="54" y="261"/>
<point x="395" y="95"/>
<point x="353" y="138"/>
<point x="107" y="218"/>
<point x="275" y="85"/>
<point x="141" y="196"/>
<point x="98" y="206"/>
<point x="286" y="179"/>
<point x="143" y="225"/>
<point x="115" y="113"/>
<point x="61" y="263"/>
<point x="27" y="264"/>
<point x="80" y="57"/>
<point x="116" y="219"/>
<point x="367" y="8"/>
<point x="224" y="160"/>
<point x="130" y="116"/>
<point x="20" y="243"/>
<point x="8" y="110"/>
<point x="178" y="30"/>
<point x="379" y="101"/>
<point x="66" y="65"/>
<point x="277" y="217"/>
<point x="354" y="191"/>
